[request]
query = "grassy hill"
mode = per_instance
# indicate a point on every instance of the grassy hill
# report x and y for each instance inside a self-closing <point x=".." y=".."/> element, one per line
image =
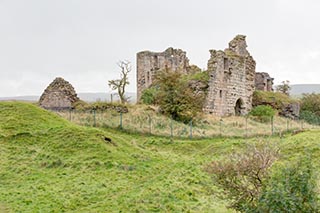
<point x="48" y="164"/>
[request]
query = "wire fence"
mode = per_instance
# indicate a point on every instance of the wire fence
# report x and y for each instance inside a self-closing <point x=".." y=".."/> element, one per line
<point x="148" y="123"/>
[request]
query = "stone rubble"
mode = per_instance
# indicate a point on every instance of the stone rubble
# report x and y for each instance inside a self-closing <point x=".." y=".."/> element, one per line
<point x="59" y="95"/>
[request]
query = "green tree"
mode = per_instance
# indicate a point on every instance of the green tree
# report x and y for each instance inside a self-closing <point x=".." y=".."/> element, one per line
<point x="120" y="84"/>
<point x="175" y="97"/>
<point x="149" y="95"/>
<point x="284" y="87"/>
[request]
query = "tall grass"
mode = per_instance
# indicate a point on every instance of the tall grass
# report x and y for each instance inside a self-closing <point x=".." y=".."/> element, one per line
<point x="144" y="119"/>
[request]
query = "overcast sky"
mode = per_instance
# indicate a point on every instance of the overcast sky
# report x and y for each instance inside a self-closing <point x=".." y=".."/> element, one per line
<point x="82" y="40"/>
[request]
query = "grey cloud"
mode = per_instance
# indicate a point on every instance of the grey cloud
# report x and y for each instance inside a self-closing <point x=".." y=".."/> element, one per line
<point x="82" y="40"/>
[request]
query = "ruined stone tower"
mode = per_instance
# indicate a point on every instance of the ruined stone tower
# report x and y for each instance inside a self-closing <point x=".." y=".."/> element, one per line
<point x="232" y="79"/>
<point x="263" y="81"/>
<point x="148" y="63"/>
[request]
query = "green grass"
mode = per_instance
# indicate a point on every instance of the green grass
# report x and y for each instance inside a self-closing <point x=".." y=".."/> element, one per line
<point x="143" y="119"/>
<point x="275" y="99"/>
<point x="48" y="164"/>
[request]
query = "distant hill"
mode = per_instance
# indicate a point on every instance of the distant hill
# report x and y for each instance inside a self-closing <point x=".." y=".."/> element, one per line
<point x="296" y="90"/>
<point x="299" y="89"/>
<point x="88" y="97"/>
<point x="31" y="98"/>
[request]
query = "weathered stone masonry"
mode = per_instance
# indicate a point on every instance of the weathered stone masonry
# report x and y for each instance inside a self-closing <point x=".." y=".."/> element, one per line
<point x="59" y="95"/>
<point x="148" y="63"/>
<point x="232" y="75"/>
<point x="263" y="81"/>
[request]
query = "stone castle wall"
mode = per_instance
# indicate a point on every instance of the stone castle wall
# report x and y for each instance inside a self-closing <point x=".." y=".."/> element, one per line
<point x="232" y="76"/>
<point x="263" y="81"/>
<point x="148" y="63"/>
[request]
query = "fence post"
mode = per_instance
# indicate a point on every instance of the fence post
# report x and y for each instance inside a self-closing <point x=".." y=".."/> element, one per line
<point x="301" y="124"/>
<point x="149" y="124"/>
<point x="287" y="124"/>
<point x="171" y="127"/>
<point x="246" y="126"/>
<point x="220" y="127"/>
<point x="94" y="117"/>
<point x="70" y="112"/>
<point x="120" y="120"/>
<point x="272" y="127"/>
<point x="191" y="129"/>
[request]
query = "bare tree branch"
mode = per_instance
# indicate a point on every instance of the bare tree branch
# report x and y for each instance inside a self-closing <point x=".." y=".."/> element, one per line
<point x="120" y="84"/>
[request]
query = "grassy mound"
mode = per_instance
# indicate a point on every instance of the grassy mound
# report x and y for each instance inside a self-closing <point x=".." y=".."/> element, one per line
<point x="275" y="99"/>
<point x="48" y="164"/>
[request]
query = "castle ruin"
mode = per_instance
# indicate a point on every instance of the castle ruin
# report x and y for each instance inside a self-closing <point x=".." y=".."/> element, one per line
<point x="148" y="63"/>
<point x="232" y="76"/>
<point x="263" y="81"/>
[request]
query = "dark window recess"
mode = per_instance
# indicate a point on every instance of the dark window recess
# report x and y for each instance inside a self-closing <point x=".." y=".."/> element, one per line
<point x="220" y="93"/>
<point x="225" y="63"/>
<point x="155" y="62"/>
<point x="148" y="76"/>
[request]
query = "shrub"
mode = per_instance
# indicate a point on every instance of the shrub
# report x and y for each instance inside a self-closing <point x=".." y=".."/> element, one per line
<point x="311" y="103"/>
<point x="291" y="189"/>
<point x="275" y="99"/>
<point x="175" y="97"/>
<point x="81" y="105"/>
<point x="149" y="95"/>
<point x="202" y="76"/>
<point x="100" y="106"/>
<point x="263" y="113"/>
<point x="310" y="117"/>
<point x="242" y="174"/>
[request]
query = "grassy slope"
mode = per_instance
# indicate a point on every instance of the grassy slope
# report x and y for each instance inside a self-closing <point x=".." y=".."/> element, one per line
<point x="50" y="165"/>
<point x="143" y="118"/>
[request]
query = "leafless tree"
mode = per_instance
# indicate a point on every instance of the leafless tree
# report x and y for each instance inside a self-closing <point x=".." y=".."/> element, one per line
<point x="120" y="84"/>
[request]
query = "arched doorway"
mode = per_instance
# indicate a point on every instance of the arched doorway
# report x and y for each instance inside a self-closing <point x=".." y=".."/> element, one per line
<point x="238" y="107"/>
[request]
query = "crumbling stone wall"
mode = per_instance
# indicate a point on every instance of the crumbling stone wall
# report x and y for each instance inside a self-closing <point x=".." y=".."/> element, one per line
<point x="232" y="77"/>
<point x="148" y="63"/>
<point x="263" y="81"/>
<point x="59" y="95"/>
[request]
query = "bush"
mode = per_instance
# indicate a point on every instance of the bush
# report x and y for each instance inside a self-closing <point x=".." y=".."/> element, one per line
<point x="263" y="113"/>
<point x="311" y="103"/>
<point x="310" y="117"/>
<point x="202" y="76"/>
<point x="175" y="97"/>
<point x="242" y="174"/>
<point x="100" y="106"/>
<point x="149" y="95"/>
<point x="291" y="189"/>
<point x="251" y="185"/>
<point x="275" y="99"/>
